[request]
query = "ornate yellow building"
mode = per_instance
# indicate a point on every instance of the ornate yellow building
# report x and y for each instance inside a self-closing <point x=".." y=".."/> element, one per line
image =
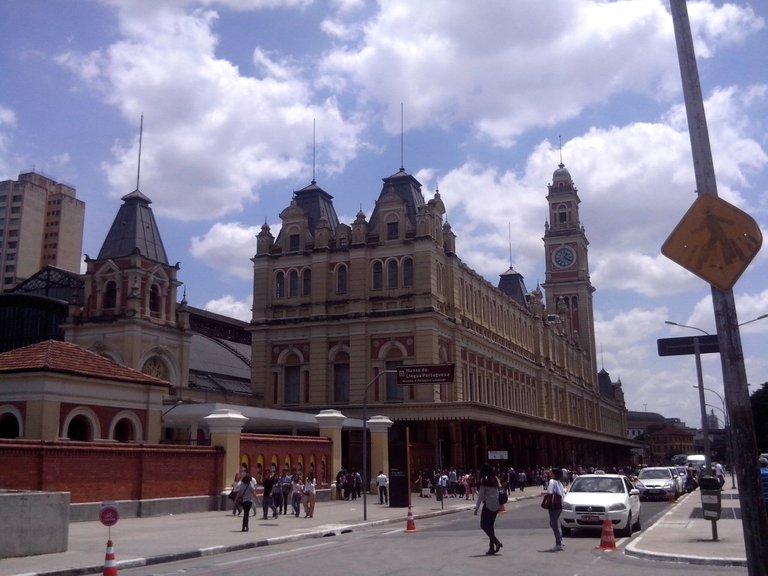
<point x="338" y="307"/>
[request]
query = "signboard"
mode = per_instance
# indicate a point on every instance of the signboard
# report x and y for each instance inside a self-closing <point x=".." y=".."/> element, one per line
<point x="684" y="346"/>
<point x="425" y="374"/>
<point x="497" y="455"/>
<point x="108" y="513"/>
<point x="714" y="240"/>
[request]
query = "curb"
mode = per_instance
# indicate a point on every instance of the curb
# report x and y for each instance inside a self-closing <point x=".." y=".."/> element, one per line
<point x="632" y="550"/>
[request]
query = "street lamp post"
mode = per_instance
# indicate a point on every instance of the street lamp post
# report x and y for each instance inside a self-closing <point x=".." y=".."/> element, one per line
<point x="727" y="423"/>
<point x="702" y="402"/>
<point x="366" y="485"/>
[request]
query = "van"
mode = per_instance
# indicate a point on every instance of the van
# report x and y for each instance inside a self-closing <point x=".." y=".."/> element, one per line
<point x="697" y="460"/>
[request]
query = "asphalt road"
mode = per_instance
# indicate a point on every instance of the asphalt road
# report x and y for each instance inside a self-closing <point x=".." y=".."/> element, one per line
<point x="446" y="545"/>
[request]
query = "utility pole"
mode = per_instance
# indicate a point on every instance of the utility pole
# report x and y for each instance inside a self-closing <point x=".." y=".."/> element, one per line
<point x="753" y="513"/>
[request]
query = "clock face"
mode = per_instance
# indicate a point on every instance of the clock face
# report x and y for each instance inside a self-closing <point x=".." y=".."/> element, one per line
<point x="563" y="257"/>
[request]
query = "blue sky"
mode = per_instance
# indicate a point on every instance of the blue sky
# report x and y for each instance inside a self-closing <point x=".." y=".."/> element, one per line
<point x="230" y="91"/>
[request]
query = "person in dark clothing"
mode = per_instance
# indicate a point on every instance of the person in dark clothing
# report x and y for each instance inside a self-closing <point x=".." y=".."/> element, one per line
<point x="247" y="494"/>
<point x="267" y="501"/>
<point x="488" y="495"/>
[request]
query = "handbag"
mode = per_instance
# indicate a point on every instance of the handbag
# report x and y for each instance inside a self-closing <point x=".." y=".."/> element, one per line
<point x="552" y="502"/>
<point x="233" y="494"/>
<point x="503" y="498"/>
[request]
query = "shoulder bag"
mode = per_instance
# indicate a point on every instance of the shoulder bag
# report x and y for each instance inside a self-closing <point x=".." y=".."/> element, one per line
<point x="552" y="501"/>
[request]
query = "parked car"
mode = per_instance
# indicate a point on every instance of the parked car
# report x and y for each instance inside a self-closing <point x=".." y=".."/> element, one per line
<point x="679" y="481"/>
<point x="594" y="497"/>
<point x="656" y="482"/>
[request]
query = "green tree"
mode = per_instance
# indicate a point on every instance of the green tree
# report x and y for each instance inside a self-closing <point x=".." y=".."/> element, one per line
<point x="759" y="401"/>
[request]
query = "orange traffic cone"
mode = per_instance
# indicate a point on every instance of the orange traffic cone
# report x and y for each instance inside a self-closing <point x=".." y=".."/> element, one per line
<point x="607" y="540"/>
<point x="410" y="526"/>
<point x="110" y="566"/>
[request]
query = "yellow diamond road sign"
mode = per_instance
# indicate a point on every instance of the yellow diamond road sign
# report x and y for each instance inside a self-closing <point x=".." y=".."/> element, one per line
<point x="714" y="240"/>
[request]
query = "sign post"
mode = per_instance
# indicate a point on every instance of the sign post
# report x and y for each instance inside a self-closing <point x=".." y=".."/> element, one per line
<point x="109" y="514"/>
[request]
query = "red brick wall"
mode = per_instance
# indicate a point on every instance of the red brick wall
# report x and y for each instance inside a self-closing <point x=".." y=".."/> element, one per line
<point x="96" y="472"/>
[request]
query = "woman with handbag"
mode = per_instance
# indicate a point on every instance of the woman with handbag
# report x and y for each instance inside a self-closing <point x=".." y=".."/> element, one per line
<point x="553" y="502"/>
<point x="488" y="495"/>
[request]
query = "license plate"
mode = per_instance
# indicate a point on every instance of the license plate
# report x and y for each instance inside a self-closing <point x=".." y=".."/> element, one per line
<point x="590" y="518"/>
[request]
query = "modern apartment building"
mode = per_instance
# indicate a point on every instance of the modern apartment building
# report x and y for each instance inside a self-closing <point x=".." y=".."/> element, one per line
<point x="41" y="224"/>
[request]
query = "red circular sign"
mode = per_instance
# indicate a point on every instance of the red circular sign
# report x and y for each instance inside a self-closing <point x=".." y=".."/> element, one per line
<point x="109" y="515"/>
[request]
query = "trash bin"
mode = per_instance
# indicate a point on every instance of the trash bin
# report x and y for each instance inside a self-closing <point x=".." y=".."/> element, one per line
<point x="439" y="493"/>
<point x="711" y="497"/>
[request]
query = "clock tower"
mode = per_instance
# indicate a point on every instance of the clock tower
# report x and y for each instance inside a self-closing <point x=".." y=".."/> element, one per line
<point x="567" y="287"/>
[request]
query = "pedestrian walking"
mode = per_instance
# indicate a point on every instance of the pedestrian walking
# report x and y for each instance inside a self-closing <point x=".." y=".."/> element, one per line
<point x="285" y="491"/>
<point x="382" y="482"/>
<point x="310" y="496"/>
<point x="247" y="496"/>
<point x="488" y="497"/>
<point x="234" y="493"/>
<point x="267" y="500"/>
<point x="297" y="491"/>
<point x="557" y="491"/>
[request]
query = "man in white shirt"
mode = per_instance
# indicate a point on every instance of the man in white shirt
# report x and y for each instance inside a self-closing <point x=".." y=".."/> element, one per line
<point x="382" y="482"/>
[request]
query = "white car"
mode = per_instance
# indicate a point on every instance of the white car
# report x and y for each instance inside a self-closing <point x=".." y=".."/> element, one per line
<point x="594" y="497"/>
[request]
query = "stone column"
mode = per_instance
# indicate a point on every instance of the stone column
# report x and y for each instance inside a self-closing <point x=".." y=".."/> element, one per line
<point x="226" y="426"/>
<point x="379" y="427"/>
<point x="330" y="422"/>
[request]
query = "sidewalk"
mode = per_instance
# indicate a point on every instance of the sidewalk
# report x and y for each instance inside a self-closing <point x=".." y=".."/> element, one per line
<point x="681" y="535"/>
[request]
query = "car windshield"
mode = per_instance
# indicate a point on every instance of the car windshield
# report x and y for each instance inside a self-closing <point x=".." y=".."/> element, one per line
<point x="611" y="485"/>
<point x="650" y="473"/>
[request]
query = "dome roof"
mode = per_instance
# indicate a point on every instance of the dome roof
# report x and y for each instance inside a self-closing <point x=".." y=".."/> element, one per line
<point x="561" y="174"/>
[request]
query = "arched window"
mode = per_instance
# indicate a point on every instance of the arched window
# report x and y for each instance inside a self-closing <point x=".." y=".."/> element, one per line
<point x="394" y="392"/>
<point x="291" y="380"/>
<point x="10" y="427"/>
<point x="341" y="377"/>
<point x="393" y="228"/>
<point x="280" y="285"/>
<point x="80" y="429"/>
<point x="341" y="279"/>
<point x="125" y="427"/>
<point x="378" y="273"/>
<point x="407" y="272"/>
<point x="293" y="284"/>
<point x="392" y="274"/>
<point x="306" y="283"/>
<point x="124" y="431"/>
<point x="154" y="298"/>
<point x="110" y="294"/>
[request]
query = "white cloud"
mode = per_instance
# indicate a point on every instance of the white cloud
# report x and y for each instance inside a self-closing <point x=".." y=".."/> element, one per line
<point x="227" y="248"/>
<point x="7" y="124"/>
<point x="229" y="306"/>
<point x="502" y="66"/>
<point x="213" y="137"/>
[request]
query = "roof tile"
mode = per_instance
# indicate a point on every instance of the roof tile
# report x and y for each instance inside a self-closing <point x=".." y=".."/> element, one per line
<point x="68" y="358"/>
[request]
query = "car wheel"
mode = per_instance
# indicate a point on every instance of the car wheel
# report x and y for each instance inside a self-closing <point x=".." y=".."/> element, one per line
<point x="626" y="532"/>
<point x="566" y="531"/>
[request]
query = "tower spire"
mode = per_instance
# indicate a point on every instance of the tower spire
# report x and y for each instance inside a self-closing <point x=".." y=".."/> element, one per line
<point x="314" y="148"/>
<point x="560" y="141"/>
<point x="402" y="163"/>
<point x="138" y="167"/>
